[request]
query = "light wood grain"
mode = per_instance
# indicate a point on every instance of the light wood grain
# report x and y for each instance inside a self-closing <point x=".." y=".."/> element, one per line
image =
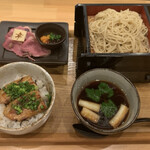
<point x="47" y="10"/>
<point x="80" y="147"/>
<point x="58" y="133"/>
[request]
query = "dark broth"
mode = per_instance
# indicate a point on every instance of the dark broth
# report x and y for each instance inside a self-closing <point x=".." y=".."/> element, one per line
<point x="118" y="98"/>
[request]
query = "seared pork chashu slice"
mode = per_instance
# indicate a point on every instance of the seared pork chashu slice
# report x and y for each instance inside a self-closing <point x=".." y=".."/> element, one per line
<point x="25" y="107"/>
<point x="6" y="98"/>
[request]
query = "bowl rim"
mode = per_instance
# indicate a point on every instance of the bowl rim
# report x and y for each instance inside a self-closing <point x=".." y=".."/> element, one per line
<point x="46" y="113"/>
<point x="94" y="128"/>
<point x="50" y="44"/>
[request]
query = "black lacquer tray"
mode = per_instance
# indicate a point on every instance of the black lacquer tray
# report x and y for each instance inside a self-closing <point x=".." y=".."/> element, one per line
<point x="135" y="66"/>
<point x="57" y="57"/>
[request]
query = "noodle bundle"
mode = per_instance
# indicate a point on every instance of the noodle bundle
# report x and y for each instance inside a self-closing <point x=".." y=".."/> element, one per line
<point x="118" y="32"/>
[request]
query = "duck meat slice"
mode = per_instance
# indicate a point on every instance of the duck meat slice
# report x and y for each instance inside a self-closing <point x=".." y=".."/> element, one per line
<point x="25" y="107"/>
<point x="5" y="98"/>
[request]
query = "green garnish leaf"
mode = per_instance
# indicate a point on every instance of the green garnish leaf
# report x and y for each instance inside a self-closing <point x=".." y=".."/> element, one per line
<point x="42" y="107"/>
<point x="53" y="36"/>
<point x="105" y="89"/>
<point x="49" y="99"/>
<point x="109" y="109"/>
<point x="93" y="94"/>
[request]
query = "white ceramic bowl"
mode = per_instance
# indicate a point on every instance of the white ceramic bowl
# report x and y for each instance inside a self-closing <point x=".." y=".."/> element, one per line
<point x="117" y="79"/>
<point x="9" y="72"/>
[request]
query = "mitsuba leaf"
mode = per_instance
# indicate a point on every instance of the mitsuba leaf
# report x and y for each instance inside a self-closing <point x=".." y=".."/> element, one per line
<point x="105" y="89"/>
<point x="109" y="109"/>
<point x="93" y="94"/>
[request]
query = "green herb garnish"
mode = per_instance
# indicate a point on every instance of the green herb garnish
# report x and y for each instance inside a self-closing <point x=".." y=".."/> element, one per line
<point x="54" y="36"/>
<point x="17" y="108"/>
<point x="109" y="109"/>
<point x="93" y="94"/>
<point x="28" y="101"/>
<point x="103" y="89"/>
<point x="15" y="90"/>
<point x="42" y="107"/>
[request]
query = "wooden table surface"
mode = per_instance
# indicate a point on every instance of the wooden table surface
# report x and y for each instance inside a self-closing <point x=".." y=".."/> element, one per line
<point x="57" y="132"/>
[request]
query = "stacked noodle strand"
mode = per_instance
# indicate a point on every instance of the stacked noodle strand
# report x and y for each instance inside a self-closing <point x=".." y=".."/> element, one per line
<point x="118" y="32"/>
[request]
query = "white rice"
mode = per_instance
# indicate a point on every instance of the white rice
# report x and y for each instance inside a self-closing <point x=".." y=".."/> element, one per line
<point x="7" y="123"/>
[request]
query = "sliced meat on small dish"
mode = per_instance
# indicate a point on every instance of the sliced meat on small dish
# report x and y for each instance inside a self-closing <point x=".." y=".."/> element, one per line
<point x="30" y="47"/>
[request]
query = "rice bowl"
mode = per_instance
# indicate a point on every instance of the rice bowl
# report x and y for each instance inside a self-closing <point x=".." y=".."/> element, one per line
<point x="13" y="71"/>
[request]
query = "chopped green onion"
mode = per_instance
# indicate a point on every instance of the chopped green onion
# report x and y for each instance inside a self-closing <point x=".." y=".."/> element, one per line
<point x="42" y="107"/>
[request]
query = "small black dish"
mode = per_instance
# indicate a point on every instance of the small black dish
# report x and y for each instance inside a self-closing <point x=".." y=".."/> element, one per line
<point x="47" y="28"/>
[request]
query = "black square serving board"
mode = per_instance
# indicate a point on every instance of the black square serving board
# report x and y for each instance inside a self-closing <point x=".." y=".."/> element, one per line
<point x="57" y="57"/>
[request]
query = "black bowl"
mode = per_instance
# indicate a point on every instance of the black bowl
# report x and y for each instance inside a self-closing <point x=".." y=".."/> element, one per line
<point x="47" y="28"/>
